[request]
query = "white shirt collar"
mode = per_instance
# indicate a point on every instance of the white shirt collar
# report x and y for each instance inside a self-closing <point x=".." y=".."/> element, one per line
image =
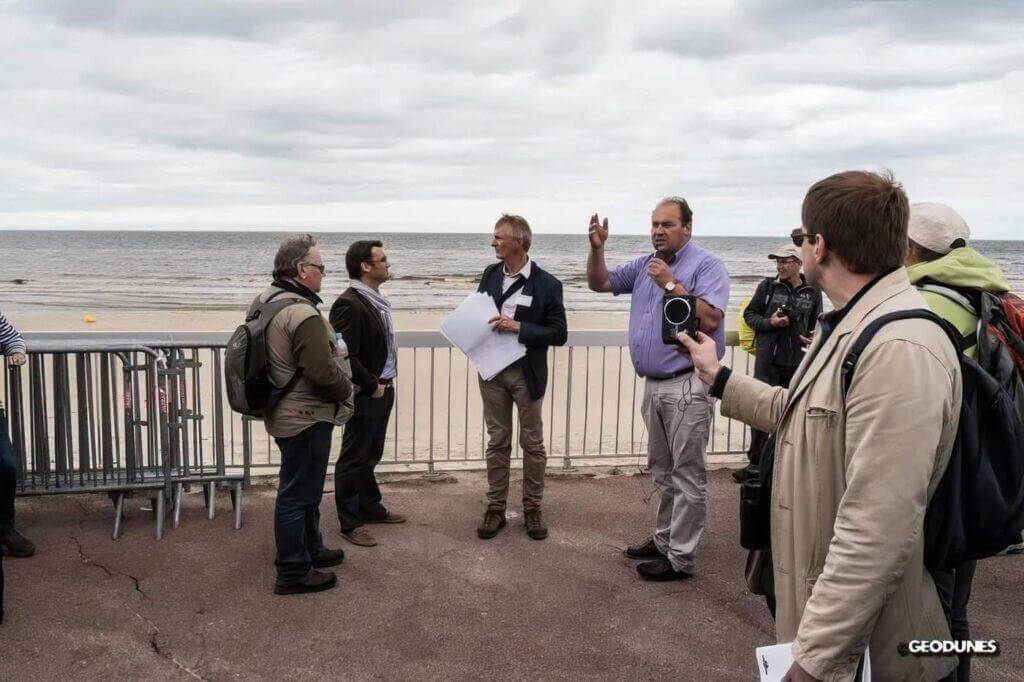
<point x="524" y="271"/>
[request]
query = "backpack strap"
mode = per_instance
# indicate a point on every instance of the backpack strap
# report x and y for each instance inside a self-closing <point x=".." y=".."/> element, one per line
<point x="961" y="300"/>
<point x="850" y="361"/>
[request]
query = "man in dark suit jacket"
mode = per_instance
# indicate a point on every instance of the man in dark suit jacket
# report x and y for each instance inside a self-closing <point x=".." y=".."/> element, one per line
<point x="528" y="301"/>
<point x="363" y="318"/>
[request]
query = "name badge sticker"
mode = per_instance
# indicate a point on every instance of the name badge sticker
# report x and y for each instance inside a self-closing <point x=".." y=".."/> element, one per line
<point x="524" y="300"/>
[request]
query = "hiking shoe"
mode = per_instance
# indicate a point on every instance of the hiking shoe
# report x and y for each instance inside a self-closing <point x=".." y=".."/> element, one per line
<point x="492" y="523"/>
<point x="535" y="527"/>
<point x="359" y="536"/>
<point x="325" y="558"/>
<point x="660" y="570"/>
<point x="645" y="550"/>
<point x="316" y="581"/>
<point x="17" y="545"/>
<point x="388" y="518"/>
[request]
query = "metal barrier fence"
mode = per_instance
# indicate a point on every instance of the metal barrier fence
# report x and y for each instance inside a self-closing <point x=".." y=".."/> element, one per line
<point x="591" y="410"/>
<point x="115" y="416"/>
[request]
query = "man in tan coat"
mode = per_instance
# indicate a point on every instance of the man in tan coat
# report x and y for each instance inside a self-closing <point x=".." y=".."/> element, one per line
<point x="301" y="343"/>
<point x="853" y="474"/>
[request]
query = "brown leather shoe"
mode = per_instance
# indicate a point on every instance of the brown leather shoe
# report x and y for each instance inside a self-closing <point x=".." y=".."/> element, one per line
<point x="492" y="523"/>
<point x="390" y="518"/>
<point x="535" y="527"/>
<point x="359" y="536"/>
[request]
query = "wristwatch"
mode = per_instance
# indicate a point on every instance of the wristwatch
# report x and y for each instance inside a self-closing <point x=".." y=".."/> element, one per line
<point x="670" y="287"/>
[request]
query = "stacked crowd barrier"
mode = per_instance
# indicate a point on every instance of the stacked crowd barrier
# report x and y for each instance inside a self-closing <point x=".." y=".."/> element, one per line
<point x="116" y="416"/>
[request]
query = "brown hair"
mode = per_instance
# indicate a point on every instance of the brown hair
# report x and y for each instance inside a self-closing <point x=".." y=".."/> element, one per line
<point x="358" y="253"/>
<point x="863" y="218"/>
<point x="519" y="228"/>
<point x="685" y="214"/>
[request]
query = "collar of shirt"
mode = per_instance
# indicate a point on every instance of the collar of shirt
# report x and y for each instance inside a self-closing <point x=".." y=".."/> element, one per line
<point x="830" y="320"/>
<point x="675" y="256"/>
<point x="524" y="271"/>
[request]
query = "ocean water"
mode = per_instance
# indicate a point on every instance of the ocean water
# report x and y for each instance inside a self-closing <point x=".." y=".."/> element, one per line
<point x="224" y="270"/>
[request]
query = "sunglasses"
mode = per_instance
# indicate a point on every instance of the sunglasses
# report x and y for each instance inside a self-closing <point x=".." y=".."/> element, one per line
<point x="317" y="266"/>
<point x="798" y="237"/>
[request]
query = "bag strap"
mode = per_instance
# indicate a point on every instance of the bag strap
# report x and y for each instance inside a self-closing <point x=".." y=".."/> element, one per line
<point x="951" y="294"/>
<point x="850" y="361"/>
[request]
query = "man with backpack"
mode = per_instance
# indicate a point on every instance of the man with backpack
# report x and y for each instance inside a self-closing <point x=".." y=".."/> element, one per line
<point x="303" y="359"/>
<point x="949" y="273"/>
<point x="854" y="468"/>
<point x="782" y="312"/>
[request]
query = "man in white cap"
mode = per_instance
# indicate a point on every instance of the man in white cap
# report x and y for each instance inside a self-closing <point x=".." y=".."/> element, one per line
<point x="782" y="313"/>
<point x="946" y="270"/>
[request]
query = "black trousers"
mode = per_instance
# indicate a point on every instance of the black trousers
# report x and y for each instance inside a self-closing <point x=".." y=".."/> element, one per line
<point x="297" y="510"/>
<point x="8" y="483"/>
<point x="8" y="477"/>
<point x="356" y="494"/>
<point x="954" y="587"/>
<point x="773" y="375"/>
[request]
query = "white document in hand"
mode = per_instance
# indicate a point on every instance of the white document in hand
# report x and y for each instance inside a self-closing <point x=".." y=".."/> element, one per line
<point x="466" y="328"/>
<point x="773" y="662"/>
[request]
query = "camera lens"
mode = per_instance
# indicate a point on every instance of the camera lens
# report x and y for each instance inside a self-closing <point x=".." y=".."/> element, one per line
<point x="677" y="311"/>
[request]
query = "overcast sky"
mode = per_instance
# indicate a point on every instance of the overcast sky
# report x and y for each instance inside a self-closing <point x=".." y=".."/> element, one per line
<point x="400" y="116"/>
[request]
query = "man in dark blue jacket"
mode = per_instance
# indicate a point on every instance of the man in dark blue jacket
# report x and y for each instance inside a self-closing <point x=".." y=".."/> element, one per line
<point x="782" y="313"/>
<point x="528" y="303"/>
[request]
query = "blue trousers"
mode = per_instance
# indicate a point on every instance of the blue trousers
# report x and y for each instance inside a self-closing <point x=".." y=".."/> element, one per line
<point x="297" y="511"/>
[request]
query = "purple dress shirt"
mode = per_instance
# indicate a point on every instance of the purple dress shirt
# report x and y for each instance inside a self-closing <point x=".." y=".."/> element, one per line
<point x="701" y="273"/>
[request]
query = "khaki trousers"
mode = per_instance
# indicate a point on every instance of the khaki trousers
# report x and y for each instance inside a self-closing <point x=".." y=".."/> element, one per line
<point x="499" y="394"/>
<point x="677" y="412"/>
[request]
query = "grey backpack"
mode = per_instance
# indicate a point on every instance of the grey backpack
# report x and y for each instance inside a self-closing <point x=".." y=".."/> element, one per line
<point x="246" y="369"/>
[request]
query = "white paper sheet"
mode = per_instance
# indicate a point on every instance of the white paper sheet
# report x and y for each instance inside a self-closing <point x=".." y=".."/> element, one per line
<point x="466" y="328"/>
<point x="773" y="662"/>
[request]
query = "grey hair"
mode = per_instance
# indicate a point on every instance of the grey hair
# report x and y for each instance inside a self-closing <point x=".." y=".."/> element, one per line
<point x="518" y="228"/>
<point x="291" y="252"/>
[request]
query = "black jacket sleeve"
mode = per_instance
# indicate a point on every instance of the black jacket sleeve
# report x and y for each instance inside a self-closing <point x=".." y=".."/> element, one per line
<point x="347" y="320"/>
<point x="756" y="315"/>
<point x="553" y="331"/>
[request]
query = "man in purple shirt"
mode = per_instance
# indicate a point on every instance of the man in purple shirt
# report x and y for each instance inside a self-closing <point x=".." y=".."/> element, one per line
<point x="676" y="406"/>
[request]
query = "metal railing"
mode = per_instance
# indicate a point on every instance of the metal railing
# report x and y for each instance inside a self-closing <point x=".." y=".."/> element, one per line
<point x="591" y="410"/>
<point x="92" y="414"/>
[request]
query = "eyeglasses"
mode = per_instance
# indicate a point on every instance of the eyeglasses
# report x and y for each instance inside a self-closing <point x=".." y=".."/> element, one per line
<point x="318" y="266"/>
<point x="799" y="235"/>
<point x="382" y="260"/>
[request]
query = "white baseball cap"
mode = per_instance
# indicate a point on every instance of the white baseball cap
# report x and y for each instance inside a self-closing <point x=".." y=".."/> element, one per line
<point x="786" y="251"/>
<point x="936" y="227"/>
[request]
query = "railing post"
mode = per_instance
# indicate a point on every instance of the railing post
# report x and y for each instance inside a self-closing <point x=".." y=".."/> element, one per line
<point x="566" y="457"/>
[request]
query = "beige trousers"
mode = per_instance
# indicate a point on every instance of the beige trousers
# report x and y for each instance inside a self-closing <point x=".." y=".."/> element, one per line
<point x="499" y="395"/>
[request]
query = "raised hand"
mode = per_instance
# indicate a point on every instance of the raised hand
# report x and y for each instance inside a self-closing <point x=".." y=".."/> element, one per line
<point x="598" y="232"/>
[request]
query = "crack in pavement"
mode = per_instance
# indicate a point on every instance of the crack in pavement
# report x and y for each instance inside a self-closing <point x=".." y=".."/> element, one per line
<point x="154" y="633"/>
<point x="110" y="574"/>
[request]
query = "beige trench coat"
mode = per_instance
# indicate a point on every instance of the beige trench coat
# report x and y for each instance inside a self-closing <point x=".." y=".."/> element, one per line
<point x="851" y="482"/>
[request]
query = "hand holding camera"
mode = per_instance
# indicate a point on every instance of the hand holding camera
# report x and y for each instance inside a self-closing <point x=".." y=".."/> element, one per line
<point x="780" y="318"/>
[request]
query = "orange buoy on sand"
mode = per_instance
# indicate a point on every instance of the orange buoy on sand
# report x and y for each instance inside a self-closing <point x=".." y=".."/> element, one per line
<point x="89" y="319"/>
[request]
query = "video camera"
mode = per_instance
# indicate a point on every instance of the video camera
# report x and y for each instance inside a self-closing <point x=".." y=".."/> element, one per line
<point x="678" y="314"/>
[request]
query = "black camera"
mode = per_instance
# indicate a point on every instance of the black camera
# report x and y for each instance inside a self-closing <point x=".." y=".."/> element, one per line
<point x="783" y="311"/>
<point x="678" y="314"/>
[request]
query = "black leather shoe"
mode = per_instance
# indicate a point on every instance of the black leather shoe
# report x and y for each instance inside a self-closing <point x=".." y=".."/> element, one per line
<point x="535" y="527"/>
<point x="16" y="544"/>
<point x="660" y="570"/>
<point x="316" y="581"/>
<point x="492" y="523"/>
<point x="739" y="475"/>
<point x="325" y="558"/>
<point x="645" y="550"/>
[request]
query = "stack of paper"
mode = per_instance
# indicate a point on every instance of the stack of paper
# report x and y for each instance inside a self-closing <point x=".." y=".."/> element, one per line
<point x="467" y="329"/>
